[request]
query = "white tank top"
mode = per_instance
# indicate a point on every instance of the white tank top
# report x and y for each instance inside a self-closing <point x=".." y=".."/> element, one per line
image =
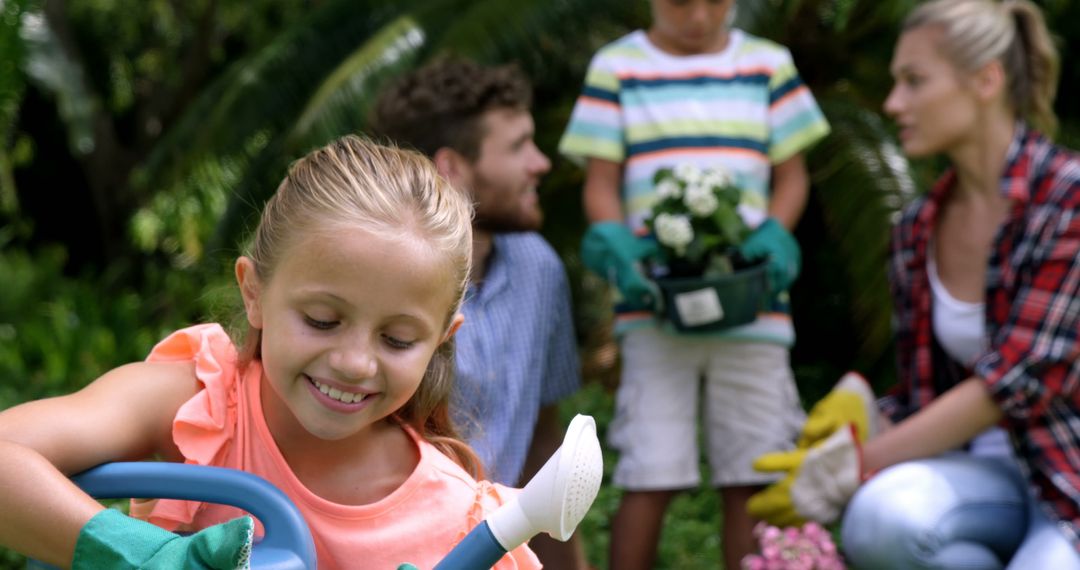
<point x="959" y="327"/>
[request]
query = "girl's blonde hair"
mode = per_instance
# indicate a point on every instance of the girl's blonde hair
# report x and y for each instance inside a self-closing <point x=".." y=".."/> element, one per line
<point x="1013" y="32"/>
<point x="353" y="182"/>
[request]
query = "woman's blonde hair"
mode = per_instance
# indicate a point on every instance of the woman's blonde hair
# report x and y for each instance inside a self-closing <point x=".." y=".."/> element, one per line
<point x="1013" y="32"/>
<point x="384" y="190"/>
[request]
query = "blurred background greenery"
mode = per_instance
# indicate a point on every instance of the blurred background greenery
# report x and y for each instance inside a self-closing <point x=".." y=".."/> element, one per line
<point x="138" y="138"/>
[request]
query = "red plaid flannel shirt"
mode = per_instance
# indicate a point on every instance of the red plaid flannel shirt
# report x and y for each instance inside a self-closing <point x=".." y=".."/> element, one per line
<point x="1031" y="358"/>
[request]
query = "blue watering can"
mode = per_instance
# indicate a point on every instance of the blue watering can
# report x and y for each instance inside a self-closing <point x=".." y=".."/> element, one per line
<point x="554" y="501"/>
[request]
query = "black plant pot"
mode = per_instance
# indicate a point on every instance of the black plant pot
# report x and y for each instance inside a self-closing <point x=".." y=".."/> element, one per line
<point x="707" y="304"/>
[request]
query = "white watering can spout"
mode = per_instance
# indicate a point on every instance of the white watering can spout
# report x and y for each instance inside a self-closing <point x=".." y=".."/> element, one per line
<point x="554" y="501"/>
<point x="557" y="498"/>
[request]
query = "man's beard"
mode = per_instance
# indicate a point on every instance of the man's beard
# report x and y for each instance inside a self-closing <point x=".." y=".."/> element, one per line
<point x="503" y="222"/>
<point x="505" y="213"/>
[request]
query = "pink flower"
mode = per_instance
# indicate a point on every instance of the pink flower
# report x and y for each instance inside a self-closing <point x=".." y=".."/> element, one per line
<point x="809" y="547"/>
<point x="753" y="562"/>
<point x="768" y="532"/>
<point x="792" y="534"/>
<point x="814" y="531"/>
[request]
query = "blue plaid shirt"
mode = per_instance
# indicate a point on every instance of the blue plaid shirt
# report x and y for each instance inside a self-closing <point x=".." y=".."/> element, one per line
<point x="1031" y="361"/>
<point x="516" y="351"/>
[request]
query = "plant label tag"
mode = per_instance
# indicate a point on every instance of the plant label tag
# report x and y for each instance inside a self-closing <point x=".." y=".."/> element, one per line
<point x="699" y="307"/>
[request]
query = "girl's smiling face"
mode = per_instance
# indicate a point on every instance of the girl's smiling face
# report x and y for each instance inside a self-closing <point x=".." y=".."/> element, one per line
<point x="350" y="320"/>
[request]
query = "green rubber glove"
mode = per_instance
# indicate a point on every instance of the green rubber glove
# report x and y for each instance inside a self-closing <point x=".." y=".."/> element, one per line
<point x="818" y="483"/>
<point x="851" y="401"/>
<point x="407" y="566"/>
<point x="614" y="252"/>
<point x="116" y="541"/>
<point x="772" y="241"/>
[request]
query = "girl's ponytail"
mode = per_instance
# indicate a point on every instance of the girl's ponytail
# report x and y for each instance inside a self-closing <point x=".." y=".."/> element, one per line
<point x="1033" y="83"/>
<point x="976" y="32"/>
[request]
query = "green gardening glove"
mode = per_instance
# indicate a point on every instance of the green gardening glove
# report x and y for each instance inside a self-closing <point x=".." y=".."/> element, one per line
<point x="614" y="252"/>
<point x="772" y="241"/>
<point x="116" y="541"/>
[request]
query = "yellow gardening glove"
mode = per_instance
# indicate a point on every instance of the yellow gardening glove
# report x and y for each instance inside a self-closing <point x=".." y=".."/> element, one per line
<point x="773" y="504"/>
<point x="851" y="401"/>
<point x="818" y="484"/>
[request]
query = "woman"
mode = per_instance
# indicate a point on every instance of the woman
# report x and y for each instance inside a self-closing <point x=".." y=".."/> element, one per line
<point x="986" y="285"/>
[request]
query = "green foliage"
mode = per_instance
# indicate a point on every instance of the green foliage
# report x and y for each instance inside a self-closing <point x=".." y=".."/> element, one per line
<point x="105" y="80"/>
<point x="58" y="333"/>
<point x="317" y="81"/>
<point x="11" y="45"/>
<point x="129" y="49"/>
<point x="12" y="85"/>
<point x="178" y="222"/>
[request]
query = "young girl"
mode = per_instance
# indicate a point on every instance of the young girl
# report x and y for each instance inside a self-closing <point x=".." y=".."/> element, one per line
<point x="338" y="395"/>
<point x="985" y="272"/>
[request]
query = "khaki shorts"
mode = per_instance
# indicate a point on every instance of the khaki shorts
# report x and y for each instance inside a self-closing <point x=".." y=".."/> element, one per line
<point x="750" y="406"/>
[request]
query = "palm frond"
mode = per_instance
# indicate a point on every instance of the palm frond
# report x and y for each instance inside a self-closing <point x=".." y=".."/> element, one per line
<point x="259" y="97"/>
<point x="496" y="31"/>
<point x="337" y="105"/>
<point x="488" y="31"/>
<point x="862" y="181"/>
<point x="342" y="102"/>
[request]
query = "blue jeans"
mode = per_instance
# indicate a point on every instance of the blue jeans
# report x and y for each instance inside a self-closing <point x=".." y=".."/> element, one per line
<point x="954" y="511"/>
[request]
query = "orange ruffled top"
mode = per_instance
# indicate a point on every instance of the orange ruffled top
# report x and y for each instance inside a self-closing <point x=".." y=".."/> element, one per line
<point x="223" y="426"/>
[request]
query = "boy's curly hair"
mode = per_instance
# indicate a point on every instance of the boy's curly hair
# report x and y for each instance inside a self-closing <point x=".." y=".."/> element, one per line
<point x="441" y="104"/>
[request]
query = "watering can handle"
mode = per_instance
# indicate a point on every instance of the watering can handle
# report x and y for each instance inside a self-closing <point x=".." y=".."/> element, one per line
<point x="287" y="544"/>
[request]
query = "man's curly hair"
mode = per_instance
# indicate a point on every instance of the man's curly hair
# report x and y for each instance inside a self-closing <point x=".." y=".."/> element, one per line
<point x="441" y="104"/>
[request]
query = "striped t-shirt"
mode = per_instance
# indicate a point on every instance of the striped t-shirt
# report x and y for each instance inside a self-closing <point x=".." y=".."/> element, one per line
<point x="744" y="109"/>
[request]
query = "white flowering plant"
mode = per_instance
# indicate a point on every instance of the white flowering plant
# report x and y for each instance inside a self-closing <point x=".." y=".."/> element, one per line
<point x="695" y="220"/>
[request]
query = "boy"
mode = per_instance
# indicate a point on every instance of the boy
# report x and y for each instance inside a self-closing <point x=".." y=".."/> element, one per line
<point x="691" y="89"/>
